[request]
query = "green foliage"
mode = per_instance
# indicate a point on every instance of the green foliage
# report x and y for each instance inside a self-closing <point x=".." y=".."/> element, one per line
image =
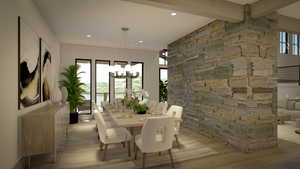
<point x="74" y="86"/>
<point x="140" y="108"/>
<point x="163" y="91"/>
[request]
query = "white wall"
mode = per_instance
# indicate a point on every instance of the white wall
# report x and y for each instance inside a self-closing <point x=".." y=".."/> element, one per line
<point x="10" y="131"/>
<point x="69" y="52"/>
<point x="288" y="60"/>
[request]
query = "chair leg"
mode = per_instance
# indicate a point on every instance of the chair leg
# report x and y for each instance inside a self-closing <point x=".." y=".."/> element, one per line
<point x="159" y="153"/>
<point x="101" y="145"/>
<point x="144" y="160"/>
<point x="129" y="150"/>
<point x="135" y="153"/>
<point x="177" y="140"/>
<point x="171" y="158"/>
<point x="104" y="153"/>
<point x="134" y="145"/>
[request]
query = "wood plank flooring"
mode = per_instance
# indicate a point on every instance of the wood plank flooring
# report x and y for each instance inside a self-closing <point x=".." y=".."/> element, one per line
<point x="81" y="151"/>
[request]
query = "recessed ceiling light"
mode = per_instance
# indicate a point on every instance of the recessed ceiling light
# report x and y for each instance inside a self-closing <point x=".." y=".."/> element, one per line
<point x="140" y="41"/>
<point x="173" y="14"/>
<point x="88" y="35"/>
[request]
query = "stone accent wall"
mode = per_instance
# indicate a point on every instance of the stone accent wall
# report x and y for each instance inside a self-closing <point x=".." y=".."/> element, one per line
<point x="224" y="75"/>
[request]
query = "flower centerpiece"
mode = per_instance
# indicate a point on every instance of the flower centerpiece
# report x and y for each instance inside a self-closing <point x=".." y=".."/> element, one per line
<point x="129" y="101"/>
<point x="133" y="103"/>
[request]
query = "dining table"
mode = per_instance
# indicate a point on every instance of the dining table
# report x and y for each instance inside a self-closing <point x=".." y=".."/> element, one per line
<point x="126" y="117"/>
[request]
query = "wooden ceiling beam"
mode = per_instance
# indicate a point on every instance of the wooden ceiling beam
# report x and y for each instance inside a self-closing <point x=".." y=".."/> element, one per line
<point x="265" y="7"/>
<point x="288" y="24"/>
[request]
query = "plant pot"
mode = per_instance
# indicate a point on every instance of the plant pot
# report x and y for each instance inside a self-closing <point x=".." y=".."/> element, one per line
<point x="73" y="117"/>
<point x="142" y="112"/>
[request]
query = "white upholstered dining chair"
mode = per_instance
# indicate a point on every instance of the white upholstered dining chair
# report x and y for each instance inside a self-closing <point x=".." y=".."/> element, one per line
<point x="176" y="112"/>
<point x="156" y="136"/>
<point x="106" y="116"/>
<point x="162" y="107"/>
<point x="109" y="136"/>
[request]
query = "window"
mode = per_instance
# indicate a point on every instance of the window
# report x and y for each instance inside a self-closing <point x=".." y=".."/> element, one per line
<point x="163" y="84"/>
<point x="120" y="83"/>
<point x="163" y="62"/>
<point x="295" y="44"/>
<point x="284" y="47"/>
<point x="102" y="81"/>
<point x="85" y="78"/>
<point x="163" y="57"/>
<point x="137" y="83"/>
<point x="163" y="74"/>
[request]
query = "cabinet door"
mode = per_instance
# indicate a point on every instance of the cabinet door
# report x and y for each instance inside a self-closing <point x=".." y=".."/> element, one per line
<point x="38" y="134"/>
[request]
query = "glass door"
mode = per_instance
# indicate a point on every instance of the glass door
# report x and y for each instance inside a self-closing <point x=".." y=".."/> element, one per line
<point x="102" y="82"/>
<point x="85" y="66"/>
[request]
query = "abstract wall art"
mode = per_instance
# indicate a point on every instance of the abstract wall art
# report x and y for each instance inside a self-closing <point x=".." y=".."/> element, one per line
<point x="45" y="71"/>
<point x="29" y="65"/>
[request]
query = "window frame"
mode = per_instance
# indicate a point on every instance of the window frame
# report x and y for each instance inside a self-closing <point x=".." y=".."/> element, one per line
<point x="126" y="81"/>
<point x="283" y="43"/>
<point x="293" y="44"/>
<point x="91" y="80"/>
<point x="161" y="69"/>
<point x="142" y="73"/>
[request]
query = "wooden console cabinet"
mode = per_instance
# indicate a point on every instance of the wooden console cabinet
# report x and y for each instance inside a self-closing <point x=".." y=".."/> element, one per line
<point x="43" y="129"/>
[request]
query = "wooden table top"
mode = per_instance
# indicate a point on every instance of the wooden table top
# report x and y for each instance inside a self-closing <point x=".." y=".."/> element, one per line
<point x="124" y="117"/>
<point x="130" y="119"/>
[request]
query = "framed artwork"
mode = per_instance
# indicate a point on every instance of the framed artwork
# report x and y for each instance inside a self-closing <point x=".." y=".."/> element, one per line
<point x="29" y="66"/>
<point x="46" y="69"/>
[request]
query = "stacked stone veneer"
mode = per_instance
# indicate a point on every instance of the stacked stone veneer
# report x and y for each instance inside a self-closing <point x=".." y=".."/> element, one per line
<point x="224" y="75"/>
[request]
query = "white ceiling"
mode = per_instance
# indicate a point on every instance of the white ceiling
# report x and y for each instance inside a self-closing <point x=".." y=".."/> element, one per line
<point x="291" y="10"/>
<point x="72" y="20"/>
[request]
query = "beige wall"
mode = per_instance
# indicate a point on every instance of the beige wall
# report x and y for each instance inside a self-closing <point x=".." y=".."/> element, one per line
<point x="70" y="52"/>
<point x="10" y="132"/>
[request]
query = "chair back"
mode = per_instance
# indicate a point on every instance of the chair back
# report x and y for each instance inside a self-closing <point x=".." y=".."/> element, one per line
<point x="157" y="134"/>
<point x="101" y="125"/>
<point x="162" y="107"/>
<point x="175" y="111"/>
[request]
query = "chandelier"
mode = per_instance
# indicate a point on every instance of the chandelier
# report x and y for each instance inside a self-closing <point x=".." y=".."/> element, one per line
<point x="124" y="71"/>
<point x="118" y="71"/>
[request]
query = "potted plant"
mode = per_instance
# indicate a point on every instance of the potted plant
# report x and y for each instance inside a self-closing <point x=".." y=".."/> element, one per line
<point x="75" y="90"/>
<point x="140" y="108"/>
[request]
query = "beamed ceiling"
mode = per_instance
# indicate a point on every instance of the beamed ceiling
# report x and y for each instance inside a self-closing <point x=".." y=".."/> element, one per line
<point x="72" y="20"/>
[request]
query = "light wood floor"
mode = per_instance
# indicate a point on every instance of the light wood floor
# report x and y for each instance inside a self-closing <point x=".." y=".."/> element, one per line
<point x="81" y="151"/>
<point x="286" y="156"/>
